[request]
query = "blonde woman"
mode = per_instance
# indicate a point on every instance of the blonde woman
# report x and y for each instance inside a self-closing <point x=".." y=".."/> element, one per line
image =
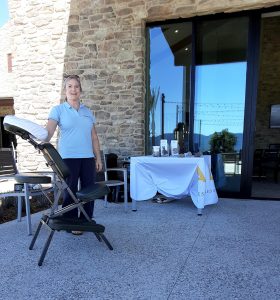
<point x="78" y="143"/>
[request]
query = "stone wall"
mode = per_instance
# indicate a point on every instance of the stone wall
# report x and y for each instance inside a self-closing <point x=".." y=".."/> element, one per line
<point x="104" y="42"/>
<point x="269" y="83"/>
<point x="106" y="46"/>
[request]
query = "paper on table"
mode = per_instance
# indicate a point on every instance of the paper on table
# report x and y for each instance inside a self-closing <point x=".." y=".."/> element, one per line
<point x="164" y="148"/>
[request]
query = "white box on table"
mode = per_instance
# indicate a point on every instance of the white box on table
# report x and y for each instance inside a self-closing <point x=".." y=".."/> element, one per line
<point x="164" y="148"/>
<point x="174" y="148"/>
<point x="156" y="151"/>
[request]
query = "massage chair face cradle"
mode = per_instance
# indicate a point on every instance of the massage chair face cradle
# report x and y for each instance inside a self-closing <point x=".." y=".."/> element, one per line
<point x="55" y="220"/>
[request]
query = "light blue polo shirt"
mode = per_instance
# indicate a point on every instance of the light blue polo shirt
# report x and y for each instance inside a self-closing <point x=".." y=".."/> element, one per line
<point x="75" y="130"/>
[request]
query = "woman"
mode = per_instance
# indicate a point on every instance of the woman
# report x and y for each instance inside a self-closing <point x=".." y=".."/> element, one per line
<point x="78" y="142"/>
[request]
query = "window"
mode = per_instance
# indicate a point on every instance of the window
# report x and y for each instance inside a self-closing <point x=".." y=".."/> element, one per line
<point x="275" y="116"/>
<point x="196" y="87"/>
<point x="10" y="62"/>
<point x="168" y="87"/>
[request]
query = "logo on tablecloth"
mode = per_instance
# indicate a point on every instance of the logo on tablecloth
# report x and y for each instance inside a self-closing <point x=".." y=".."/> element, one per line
<point x="201" y="176"/>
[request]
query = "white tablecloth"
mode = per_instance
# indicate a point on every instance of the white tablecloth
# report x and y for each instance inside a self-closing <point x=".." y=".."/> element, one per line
<point x="174" y="177"/>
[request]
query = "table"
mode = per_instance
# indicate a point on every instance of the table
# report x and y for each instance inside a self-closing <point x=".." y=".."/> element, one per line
<point x="175" y="177"/>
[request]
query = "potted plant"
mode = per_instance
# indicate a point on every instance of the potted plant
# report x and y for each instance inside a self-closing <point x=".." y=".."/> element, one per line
<point x="223" y="141"/>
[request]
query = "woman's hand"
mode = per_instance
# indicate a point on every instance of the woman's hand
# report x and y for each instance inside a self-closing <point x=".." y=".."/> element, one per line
<point x="96" y="150"/>
<point x="98" y="164"/>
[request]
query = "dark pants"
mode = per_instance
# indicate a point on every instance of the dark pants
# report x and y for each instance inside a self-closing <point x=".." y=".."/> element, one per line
<point x="83" y="168"/>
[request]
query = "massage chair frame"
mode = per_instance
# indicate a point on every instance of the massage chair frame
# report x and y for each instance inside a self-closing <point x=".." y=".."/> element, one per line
<point x="54" y="220"/>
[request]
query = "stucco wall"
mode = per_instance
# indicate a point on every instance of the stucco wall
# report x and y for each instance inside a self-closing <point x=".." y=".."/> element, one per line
<point x="6" y="78"/>
<point x="104" y="42"/>
<point x="38" y="32"/>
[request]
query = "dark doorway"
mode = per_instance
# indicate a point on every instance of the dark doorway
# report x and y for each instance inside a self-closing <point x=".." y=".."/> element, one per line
<point x="7" y="140"/>
<point x="266" y="164"/>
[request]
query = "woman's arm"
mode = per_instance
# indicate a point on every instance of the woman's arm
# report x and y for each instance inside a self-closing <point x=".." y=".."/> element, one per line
<point x="51" y="127"/>
<point x="96" y="149"/>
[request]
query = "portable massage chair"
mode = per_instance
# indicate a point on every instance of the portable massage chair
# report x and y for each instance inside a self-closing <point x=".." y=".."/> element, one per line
<point x="54" y="220"/>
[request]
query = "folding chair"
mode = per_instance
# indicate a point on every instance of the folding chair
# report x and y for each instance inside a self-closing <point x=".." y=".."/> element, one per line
<point x="54" y="220"/>
<point x="115" y="182"/>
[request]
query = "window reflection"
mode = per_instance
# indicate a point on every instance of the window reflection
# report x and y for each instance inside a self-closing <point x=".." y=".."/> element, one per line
<point x="220" y="86"/>
<point x="219" y="103"/>
<point x="219" y="119"/>
<point x="168" y="83"/>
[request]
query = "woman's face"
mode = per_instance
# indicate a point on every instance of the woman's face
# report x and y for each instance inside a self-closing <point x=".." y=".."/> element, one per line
<point x="72" y="90"/>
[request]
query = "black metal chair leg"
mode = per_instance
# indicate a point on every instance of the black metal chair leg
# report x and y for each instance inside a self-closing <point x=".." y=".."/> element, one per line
<point x="36" y="235"/>
<point x="46" y="247"/>
<point x="106" y="241"/>
<point x="97" y="236"/>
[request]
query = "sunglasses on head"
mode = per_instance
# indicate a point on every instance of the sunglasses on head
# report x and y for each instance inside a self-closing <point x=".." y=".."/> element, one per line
<point x="72" y="77"/>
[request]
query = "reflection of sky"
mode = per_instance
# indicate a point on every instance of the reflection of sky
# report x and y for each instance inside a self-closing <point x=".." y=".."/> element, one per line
<point x="167" y="77"/>
<point x="220" y="90"/>
<point x="220" y="97"/>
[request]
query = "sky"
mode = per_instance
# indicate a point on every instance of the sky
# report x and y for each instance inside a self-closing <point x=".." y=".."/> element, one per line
<point x="4" y="14"/>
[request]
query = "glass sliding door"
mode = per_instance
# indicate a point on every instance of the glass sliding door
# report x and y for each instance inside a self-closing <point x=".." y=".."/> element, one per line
<point x="219" y="102"/>
<point x="168" y="83"/>
<point x="196" y="85"/>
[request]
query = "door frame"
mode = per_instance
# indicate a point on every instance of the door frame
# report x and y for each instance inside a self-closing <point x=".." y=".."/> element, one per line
<point x="252" y="78"/>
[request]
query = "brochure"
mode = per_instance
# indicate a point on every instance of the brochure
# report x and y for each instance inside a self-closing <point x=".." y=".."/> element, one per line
<point x="174" y="148"/>
<point x="164" y="148"/>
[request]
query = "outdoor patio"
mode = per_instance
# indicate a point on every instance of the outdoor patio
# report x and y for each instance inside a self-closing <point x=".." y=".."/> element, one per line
<point x="162" y="251"/>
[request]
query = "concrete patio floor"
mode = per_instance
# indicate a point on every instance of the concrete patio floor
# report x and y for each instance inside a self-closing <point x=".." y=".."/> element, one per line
<point x="162" y="251"/>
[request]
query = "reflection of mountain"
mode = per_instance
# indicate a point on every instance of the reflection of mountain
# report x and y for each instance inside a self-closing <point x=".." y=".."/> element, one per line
<point x="167" y="136"/>
<point x="204" y="140"/>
